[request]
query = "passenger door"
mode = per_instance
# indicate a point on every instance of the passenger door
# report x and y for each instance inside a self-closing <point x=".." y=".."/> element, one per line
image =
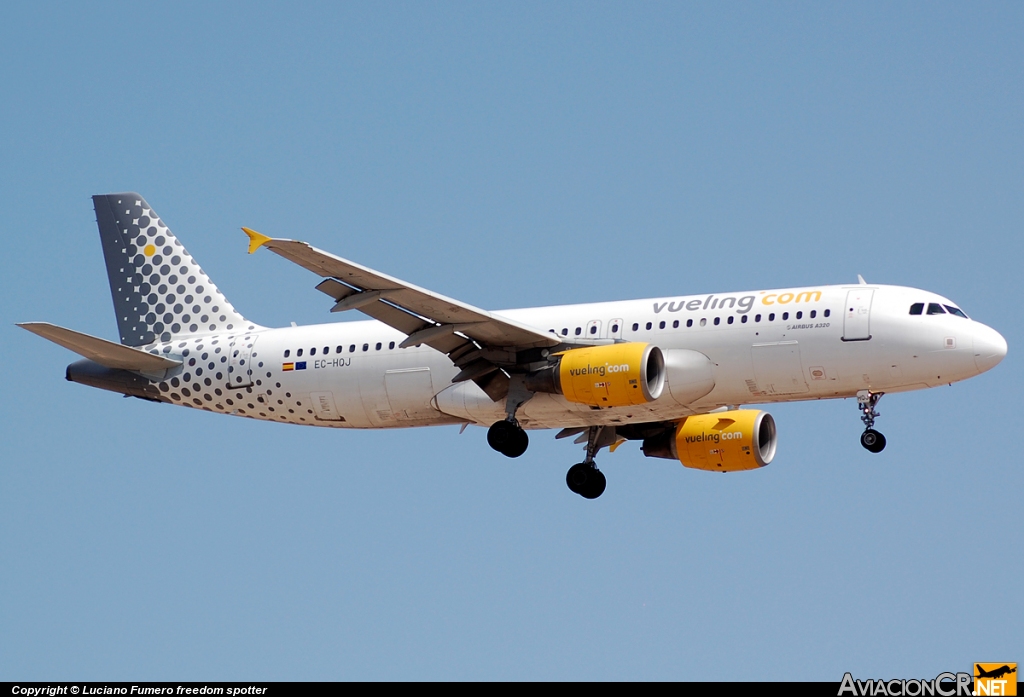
<point x="857" y="322"/>
<point x="239" y="368"/>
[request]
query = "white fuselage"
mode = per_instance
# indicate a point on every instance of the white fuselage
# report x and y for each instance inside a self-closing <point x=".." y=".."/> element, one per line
<point x="763" y="346"/>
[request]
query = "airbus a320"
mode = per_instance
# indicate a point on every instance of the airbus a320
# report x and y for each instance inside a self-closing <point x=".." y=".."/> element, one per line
<point x="669" y="372"/>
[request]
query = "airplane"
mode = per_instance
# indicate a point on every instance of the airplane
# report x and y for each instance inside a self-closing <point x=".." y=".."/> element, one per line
<point x="672" y="373"/>
<point x="996" y="672"/>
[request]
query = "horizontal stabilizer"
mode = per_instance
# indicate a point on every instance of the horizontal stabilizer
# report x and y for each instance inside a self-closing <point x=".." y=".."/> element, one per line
<point x="101" y="351"/>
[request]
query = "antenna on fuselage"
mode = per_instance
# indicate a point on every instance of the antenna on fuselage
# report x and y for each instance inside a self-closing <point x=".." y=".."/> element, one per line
<point x="861" y="279"/>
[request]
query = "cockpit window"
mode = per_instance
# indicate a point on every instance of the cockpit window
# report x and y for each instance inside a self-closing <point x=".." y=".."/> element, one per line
<point x="917" y="308"/>
<point x="935" y="309"/>
<point x="956" y="311"/>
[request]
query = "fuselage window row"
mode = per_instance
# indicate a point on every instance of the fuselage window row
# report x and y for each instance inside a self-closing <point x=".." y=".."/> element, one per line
<point x="339" y="349"/>
<point x="744" y="318"/>
<point x="732" y="320"/>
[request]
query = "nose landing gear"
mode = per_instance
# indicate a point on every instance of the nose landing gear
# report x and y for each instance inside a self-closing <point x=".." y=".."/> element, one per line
<point x="872" y="440"/>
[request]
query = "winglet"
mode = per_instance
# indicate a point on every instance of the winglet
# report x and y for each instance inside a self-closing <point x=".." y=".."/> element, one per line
<point x="256" y="240"/>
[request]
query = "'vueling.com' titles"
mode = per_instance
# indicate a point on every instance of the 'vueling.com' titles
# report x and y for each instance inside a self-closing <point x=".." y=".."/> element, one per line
<point x="741" y="305"/>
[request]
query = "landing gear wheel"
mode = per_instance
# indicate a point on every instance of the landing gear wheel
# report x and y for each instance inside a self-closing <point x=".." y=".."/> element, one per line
<point x="519" y="444"/>
<point x="586" y="480"/>
<point x="507" y="438"/>
<point x="872" y="440"/>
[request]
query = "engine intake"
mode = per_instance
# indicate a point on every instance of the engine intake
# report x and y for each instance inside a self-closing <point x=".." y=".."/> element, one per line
<point x="616" y="375"/>
<point x="729" y="441"/>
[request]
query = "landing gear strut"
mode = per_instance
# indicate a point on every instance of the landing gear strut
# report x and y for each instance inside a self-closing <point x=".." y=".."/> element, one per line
<point x="585" y="479"/>
<point x="508" y="437"/>
<point x="871" y="439"/>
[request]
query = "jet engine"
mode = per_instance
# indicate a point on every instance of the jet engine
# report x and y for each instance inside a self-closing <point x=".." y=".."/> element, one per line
<point x="728" y="441"/>
<point x="616" y="375"/>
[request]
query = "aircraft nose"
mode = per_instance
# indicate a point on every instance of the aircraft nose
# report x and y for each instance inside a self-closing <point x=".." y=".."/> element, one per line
<point x="989" y="347"/>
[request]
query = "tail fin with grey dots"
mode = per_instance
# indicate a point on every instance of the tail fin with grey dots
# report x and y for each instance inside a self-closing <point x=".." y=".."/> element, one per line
<point x="159" y="290"/>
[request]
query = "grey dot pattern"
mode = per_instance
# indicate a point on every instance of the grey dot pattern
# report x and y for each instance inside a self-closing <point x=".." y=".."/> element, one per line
<point x="202" y="383"/>
<point x="159" y="291"/>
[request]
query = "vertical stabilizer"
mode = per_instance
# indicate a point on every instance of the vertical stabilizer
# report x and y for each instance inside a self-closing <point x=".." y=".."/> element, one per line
<point x="159" y="290"/>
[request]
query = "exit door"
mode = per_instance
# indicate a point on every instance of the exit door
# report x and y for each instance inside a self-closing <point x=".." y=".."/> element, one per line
<point x="857" y="323"/>
<point x="240" y="357"/>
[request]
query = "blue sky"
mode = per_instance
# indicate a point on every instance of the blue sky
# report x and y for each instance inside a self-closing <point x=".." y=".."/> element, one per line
<point x="509" y="155"/>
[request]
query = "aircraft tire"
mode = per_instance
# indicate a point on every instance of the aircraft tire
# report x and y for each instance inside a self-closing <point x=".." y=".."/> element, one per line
<point x="872" y="440"/>
<point x="586" y="480"/>
<point x="518" y="445"/>
<point x="507" y="438"/>
<point x="596" y="484"/>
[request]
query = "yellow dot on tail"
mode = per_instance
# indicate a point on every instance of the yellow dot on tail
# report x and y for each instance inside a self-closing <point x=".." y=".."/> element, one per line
<point x="149" y="251"/>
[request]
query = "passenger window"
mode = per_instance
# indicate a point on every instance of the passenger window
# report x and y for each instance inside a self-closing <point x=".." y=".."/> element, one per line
<point x="615" y="328"/>
<point x="828" y="312"/>
<point x="366" y="347"/>
<point x="703" y="321"/>
<point x="731" y="319"/>
<point x="565" y="331"/>
<point x="327" y="349"/>
<point x="661" y="325"/>
<point x="785" y="315"/>
<point x="799" y="315"/>
<point x="339" y="349"/>
<point x="579" y="330"/>
<point x="814" y="314"/>
<point x="935" y="309"/>
<point x="757" y="318"/>
<point x="635" y="326"/>
<point x="287" y="352"/>
<point x="352" y="348"/>
<point x="956" y="311"/>
<point x="717" y="320"/>
<point x="312" y="351"/>
<point x="378" y="346"/>
<point x="299" y="352"/>
<point x="771" y="317"/>
<point x="391" y="345"/>
<point x="743" y="319"/>
<point x="593" y="329"/>
<point x="675" y="325"/>
<point x="649" y="325"/>
<point x="917" y="308"/>
<point x="689" y="323"/>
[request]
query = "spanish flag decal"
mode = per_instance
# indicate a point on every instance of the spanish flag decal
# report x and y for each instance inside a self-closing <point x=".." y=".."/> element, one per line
<point x="288" y="366"/>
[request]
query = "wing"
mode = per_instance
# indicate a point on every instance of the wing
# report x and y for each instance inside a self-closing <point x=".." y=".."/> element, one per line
<point x="477" y="341"/>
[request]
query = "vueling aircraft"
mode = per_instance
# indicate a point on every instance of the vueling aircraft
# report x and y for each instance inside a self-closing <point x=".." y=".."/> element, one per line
<point x="669" y="372"/>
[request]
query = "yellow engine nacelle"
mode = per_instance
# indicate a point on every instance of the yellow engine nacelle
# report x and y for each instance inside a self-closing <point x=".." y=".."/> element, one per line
<point x="728" y="441"/>
<point x="616" y="375"/>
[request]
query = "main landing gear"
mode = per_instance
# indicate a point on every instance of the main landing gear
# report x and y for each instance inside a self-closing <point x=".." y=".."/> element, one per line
<point x="508" y="438"/>
<point x="871" y="439"/>
<point x="585" y="479"/>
